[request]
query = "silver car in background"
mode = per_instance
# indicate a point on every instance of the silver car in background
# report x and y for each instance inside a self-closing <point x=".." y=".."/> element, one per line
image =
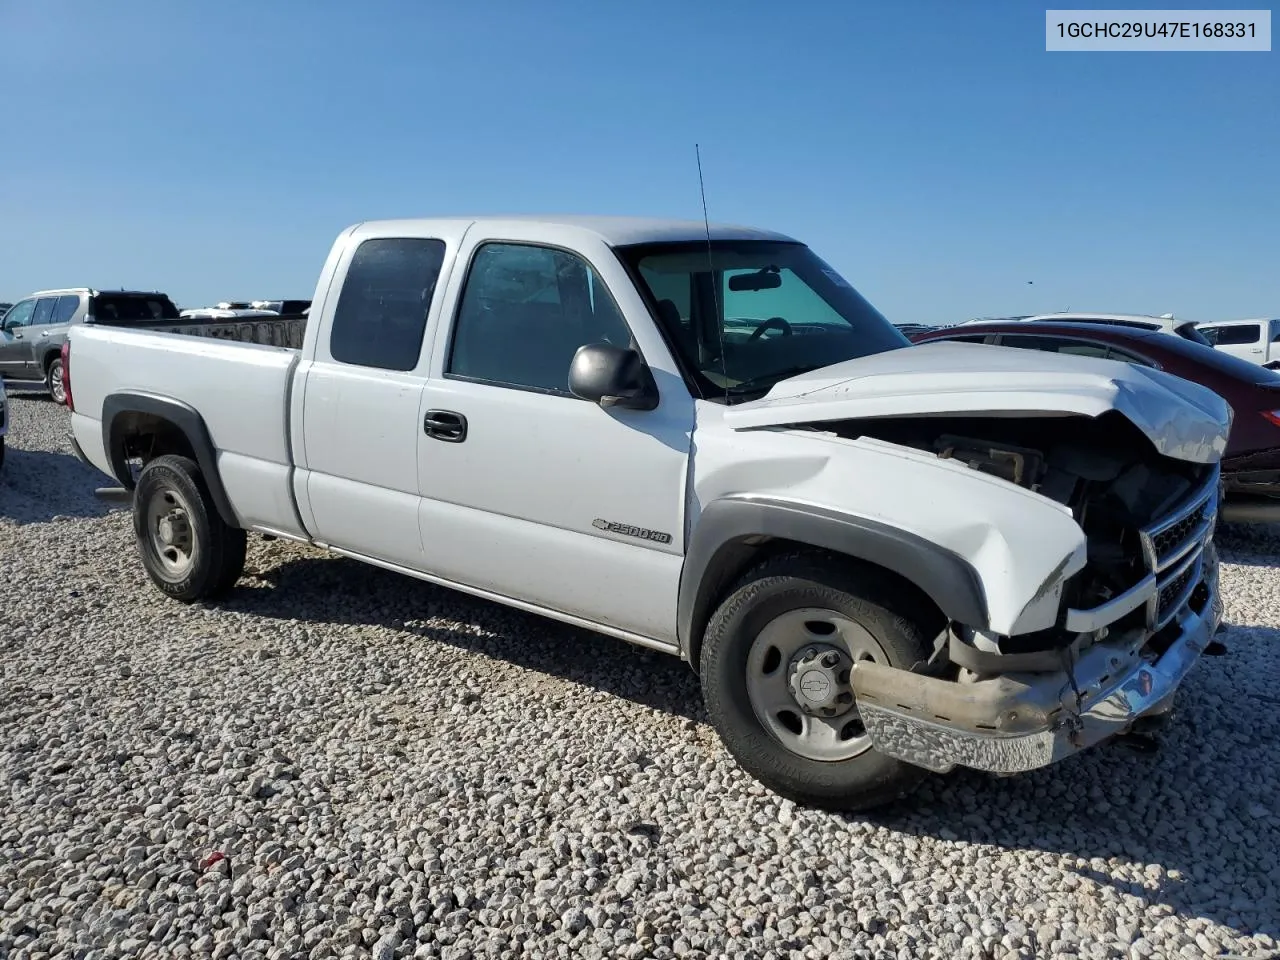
<point x="33" y="330"/>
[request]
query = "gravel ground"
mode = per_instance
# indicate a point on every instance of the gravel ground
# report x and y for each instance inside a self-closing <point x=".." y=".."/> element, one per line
<point x="337" y="761"/>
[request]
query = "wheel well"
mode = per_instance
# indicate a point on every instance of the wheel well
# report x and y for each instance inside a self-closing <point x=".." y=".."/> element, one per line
<point x="145" y="436"/>
<point x="736" y="558"/>
<point x="49" y="357"/>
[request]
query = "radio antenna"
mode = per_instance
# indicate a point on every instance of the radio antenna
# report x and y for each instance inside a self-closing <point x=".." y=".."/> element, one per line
<point x="711" y="276"/>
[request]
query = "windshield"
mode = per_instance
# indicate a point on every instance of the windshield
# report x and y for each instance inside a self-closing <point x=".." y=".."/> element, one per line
<point x="767" y="311"/>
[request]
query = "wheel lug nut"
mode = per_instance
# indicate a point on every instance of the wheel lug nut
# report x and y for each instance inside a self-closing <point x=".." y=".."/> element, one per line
<point x="831" y="659"/>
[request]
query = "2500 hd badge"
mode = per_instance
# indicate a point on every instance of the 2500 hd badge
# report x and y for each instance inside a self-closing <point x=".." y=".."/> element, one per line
<point x="627" y="530"/>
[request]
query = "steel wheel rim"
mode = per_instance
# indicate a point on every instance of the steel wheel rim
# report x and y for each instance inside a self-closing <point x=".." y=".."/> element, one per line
<point x="780" y="674"/>
<point x="170" y="533"/>
<point x="55" y="382"/>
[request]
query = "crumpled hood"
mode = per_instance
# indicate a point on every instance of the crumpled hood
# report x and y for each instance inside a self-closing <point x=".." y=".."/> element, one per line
<point x="1182" y="419"/>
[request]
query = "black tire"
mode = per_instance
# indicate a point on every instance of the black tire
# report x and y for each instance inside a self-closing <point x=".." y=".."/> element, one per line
<point x="216" y="555"/>
<point x="53" y="381"/>
<point x="1" y="453"/>
<point x="893" y="613"/>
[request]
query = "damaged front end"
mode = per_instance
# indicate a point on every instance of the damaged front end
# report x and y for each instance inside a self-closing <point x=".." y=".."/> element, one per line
<point x="1125" y="628"/>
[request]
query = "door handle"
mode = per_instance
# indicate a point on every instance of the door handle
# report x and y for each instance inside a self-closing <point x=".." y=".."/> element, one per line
<point x="445" y="425"/>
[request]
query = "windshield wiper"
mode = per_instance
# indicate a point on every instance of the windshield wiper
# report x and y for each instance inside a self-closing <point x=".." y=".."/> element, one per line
<point x="766" y="382"/>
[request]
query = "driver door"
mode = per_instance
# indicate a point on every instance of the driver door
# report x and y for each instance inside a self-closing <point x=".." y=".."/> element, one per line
<point x="535" y="494"/>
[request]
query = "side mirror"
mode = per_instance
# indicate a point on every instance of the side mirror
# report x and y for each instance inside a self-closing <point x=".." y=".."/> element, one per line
<point x="612" y="377"/>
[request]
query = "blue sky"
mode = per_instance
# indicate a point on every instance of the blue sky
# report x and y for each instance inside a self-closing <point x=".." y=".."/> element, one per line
<point x="933" y="152"/>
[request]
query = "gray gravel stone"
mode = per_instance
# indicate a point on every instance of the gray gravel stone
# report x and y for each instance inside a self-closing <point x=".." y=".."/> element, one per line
<point x="392" y="770"/>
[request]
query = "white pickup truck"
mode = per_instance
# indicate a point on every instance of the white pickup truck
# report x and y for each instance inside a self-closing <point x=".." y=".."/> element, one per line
<point x="882" y="559"/>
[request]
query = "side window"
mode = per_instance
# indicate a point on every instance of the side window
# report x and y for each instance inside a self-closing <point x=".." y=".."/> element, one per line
<point x="1275" y="331"/>
<point x="44" y="310"/>
<point x="19" y="314"/>
<point x="968" y="338"/>
<point x="1075" y="348"/>
<point x="1237" y="334"/>
<point x="525" y="311"/>
<point x="1026" y="342"/>
<point x="381" y="314"/>
<point x="1124" y="356"/>
<point x="1210" y="334"/>
<point x="1083" y="349"/>
<point x="65" y="308"/>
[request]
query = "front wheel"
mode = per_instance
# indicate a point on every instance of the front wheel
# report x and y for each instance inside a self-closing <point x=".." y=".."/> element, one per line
<point x="188" y="550"/>
<point x="53" y="380"/>
<point x="775" y="667"/>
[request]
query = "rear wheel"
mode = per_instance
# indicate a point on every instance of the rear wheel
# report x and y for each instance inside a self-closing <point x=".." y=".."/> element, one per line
<point x="53" y="380"/>
<point x="188" y="550"/>
<point x="775" y="667"/>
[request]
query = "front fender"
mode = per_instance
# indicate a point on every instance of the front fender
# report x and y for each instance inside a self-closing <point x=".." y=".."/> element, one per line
<point x="729" y="525"/>
<point x="990" y="554"/>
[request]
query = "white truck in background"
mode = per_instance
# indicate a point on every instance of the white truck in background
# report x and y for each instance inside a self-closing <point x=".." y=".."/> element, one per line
<point x="882" y="559"/>
<point x="1257" y="341"/>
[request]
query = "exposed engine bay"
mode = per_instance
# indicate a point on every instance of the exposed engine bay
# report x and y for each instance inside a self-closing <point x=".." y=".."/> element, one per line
<point x="1105" y="470"/>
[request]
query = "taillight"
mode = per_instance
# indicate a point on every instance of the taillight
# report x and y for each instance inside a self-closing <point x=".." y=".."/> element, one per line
<point x="66" y="374"/>
<point x="1273" y="416"/>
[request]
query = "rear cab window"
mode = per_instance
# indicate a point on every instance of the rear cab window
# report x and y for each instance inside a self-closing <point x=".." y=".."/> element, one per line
<point x="381" y="314"/>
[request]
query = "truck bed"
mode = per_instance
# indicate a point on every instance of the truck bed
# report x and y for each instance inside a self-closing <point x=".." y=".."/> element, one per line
<point x="282" y="331"/>
<point x="241" y="390"/>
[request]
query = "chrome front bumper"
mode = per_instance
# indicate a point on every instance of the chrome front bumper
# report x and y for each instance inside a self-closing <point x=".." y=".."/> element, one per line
<point x="1020" y="722"/>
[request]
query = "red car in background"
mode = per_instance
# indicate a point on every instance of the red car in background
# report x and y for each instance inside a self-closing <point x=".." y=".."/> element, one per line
<point x="1251" y="464"/>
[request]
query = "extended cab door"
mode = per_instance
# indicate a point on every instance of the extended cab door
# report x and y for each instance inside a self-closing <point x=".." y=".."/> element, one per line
<point x="357" y="482"/>
<point x="529" y="492"/>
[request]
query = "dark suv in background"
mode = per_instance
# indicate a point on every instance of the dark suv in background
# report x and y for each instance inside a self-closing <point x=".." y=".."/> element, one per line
<point x="34" y="328"/>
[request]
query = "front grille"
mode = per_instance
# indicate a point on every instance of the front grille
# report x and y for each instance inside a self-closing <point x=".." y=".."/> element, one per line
<point x="1172" y="547"/>
<point x="1174" y="591"/>
<point x="1170" y="540"/>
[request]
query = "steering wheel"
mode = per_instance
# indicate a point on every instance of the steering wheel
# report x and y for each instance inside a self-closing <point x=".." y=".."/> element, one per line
<point x="777" y="322"/>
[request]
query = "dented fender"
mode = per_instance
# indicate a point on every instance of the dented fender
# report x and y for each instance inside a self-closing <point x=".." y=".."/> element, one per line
<point x="991" y="554"/>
